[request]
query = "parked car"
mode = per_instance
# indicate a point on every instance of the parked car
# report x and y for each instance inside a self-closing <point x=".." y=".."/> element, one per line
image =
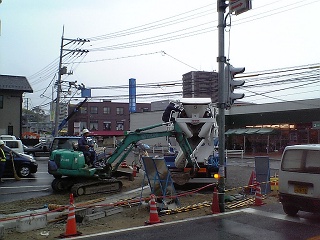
<point x="15" y="145"/>
<point x="24" y="164"/>
<point x="38" y="150"/>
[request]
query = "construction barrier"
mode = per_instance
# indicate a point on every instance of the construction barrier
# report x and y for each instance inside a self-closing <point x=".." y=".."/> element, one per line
<point x="274" y="183"/>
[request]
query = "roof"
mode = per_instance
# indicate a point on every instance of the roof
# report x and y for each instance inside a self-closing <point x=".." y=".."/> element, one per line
<point x="15" y="83"/>
<point x="304" y="146"/>
<point x="195" y="101"/>
<point x="249" y="131"/>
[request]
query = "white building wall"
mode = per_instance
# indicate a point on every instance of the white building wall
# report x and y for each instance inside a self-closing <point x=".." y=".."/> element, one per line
<point x="145" y="119"/>
<point x="10" y="114"/>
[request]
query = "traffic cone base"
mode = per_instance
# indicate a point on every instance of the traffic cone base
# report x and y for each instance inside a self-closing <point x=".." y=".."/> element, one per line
<point x="215" y="202"/>
<point x="154" y="217"/>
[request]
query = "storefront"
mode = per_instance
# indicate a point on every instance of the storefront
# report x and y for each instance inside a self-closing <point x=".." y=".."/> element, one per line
<point x="271" y="127"/>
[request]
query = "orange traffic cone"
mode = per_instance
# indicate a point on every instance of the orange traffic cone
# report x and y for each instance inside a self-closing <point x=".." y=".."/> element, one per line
<point x="124" y="164"/>
<point x="252" y="182"/>
<point x="215" y="202"/>
<point x="71" y="228"/>
<point x="154" y="218"/>
<point x="258" y="196"/>
<point x="134" y="171"/>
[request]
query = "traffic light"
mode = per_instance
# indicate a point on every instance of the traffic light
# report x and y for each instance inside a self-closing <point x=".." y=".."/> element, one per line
<point x="232" y="84"/>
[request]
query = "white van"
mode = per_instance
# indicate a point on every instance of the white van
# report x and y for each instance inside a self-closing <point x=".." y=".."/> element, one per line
<point x="299" y="179"/>
<point x="7" y="137"/>
<point x="15" y="145"/>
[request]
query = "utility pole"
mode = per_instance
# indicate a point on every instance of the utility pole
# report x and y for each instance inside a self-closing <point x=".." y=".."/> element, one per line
<point x="57" y="111"/>
<point x="221" y="59"/>
<point x="62" y="71"/>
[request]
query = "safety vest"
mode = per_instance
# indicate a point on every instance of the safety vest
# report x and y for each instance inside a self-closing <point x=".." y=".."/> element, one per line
<point x="2" y="155"/>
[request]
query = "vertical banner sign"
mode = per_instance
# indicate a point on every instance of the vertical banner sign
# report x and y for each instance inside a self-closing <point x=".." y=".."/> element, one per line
<point x="86" y="92"/>
<point x="132" y="95"/>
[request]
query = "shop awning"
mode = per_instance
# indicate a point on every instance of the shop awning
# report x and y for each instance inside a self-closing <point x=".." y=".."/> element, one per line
<point x="107" y="133"/>
<point x="266" y="131"/>
<point x="240" y="131"/>
<point x="252" y="130"/>
<point x="249" y="131"/>
<point x="230" y="131"/>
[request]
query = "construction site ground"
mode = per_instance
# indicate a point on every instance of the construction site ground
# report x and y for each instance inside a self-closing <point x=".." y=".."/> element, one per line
<point x="132" y="215"/>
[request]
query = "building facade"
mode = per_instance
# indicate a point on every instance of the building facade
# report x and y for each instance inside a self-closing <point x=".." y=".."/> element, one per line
<point x="11" y="91"/>
<point x="104" y="119"/>
<point x="200" y="84"/>
<point x="283" y="124"/>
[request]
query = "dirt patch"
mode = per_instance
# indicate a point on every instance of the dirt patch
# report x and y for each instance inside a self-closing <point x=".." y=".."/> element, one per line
<point x="131" y="216"/>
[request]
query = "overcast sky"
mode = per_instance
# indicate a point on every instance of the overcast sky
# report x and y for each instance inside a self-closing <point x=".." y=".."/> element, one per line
<point x="154" y="42"/>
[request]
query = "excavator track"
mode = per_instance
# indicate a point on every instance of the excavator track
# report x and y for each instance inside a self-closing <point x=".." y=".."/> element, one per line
<point x="96" y="186"/>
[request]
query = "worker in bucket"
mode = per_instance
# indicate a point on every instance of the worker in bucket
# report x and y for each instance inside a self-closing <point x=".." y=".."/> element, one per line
<point x="167" y="114"/>
<point x="87" y="148"/>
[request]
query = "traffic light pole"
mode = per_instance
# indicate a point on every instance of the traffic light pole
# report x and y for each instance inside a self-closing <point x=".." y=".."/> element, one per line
<point x="221" y="59"/>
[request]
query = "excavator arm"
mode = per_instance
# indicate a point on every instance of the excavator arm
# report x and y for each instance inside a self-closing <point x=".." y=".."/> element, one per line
<point x="132" y="138"/>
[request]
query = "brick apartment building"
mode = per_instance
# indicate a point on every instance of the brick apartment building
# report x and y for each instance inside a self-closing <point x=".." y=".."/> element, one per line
<point x="104" y="119"/>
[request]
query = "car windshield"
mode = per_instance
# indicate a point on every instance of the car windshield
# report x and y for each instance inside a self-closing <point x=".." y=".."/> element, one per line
<point x="38" y="145"/>
<point x="64" y="143"/>
<point x="7" y="150"/>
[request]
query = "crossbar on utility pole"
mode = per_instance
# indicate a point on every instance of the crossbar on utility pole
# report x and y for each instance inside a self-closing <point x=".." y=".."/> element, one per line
<point x="221" y="7"/>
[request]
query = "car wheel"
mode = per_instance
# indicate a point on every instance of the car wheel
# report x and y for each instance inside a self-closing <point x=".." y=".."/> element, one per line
<point x="290" y="210"/>
<point x="24" y="171"/>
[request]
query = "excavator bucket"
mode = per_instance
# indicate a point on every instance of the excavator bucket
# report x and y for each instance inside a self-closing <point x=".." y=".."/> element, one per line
<point x="180" y="178"/>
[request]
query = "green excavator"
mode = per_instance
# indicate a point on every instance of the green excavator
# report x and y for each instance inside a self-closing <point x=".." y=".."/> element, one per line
<point x="72" y="174"/>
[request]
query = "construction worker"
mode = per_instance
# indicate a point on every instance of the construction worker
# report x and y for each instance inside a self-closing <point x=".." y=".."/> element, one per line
<point x="2" y="160"/>
<point x="87" y="148"/>
<point x="167" y="114"/>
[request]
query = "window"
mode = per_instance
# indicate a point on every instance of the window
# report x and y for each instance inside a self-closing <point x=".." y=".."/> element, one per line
<point x="106" y="125"/>
<point x="83" y="125"/>
<point x="119" y="110"/>
<point x="1" y="101"/>
<point x="93" y="125"/>
<point x="94" y="110"/>
<point x="83" y="110"/>
<point x="119" y="126"/>
<point x="106" y="110"/>
<point x="301" y="160"/>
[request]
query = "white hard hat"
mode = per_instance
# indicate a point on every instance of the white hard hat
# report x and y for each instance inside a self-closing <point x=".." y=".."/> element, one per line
<point x="85" y="131"/>
<point x="1" y="142"/>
